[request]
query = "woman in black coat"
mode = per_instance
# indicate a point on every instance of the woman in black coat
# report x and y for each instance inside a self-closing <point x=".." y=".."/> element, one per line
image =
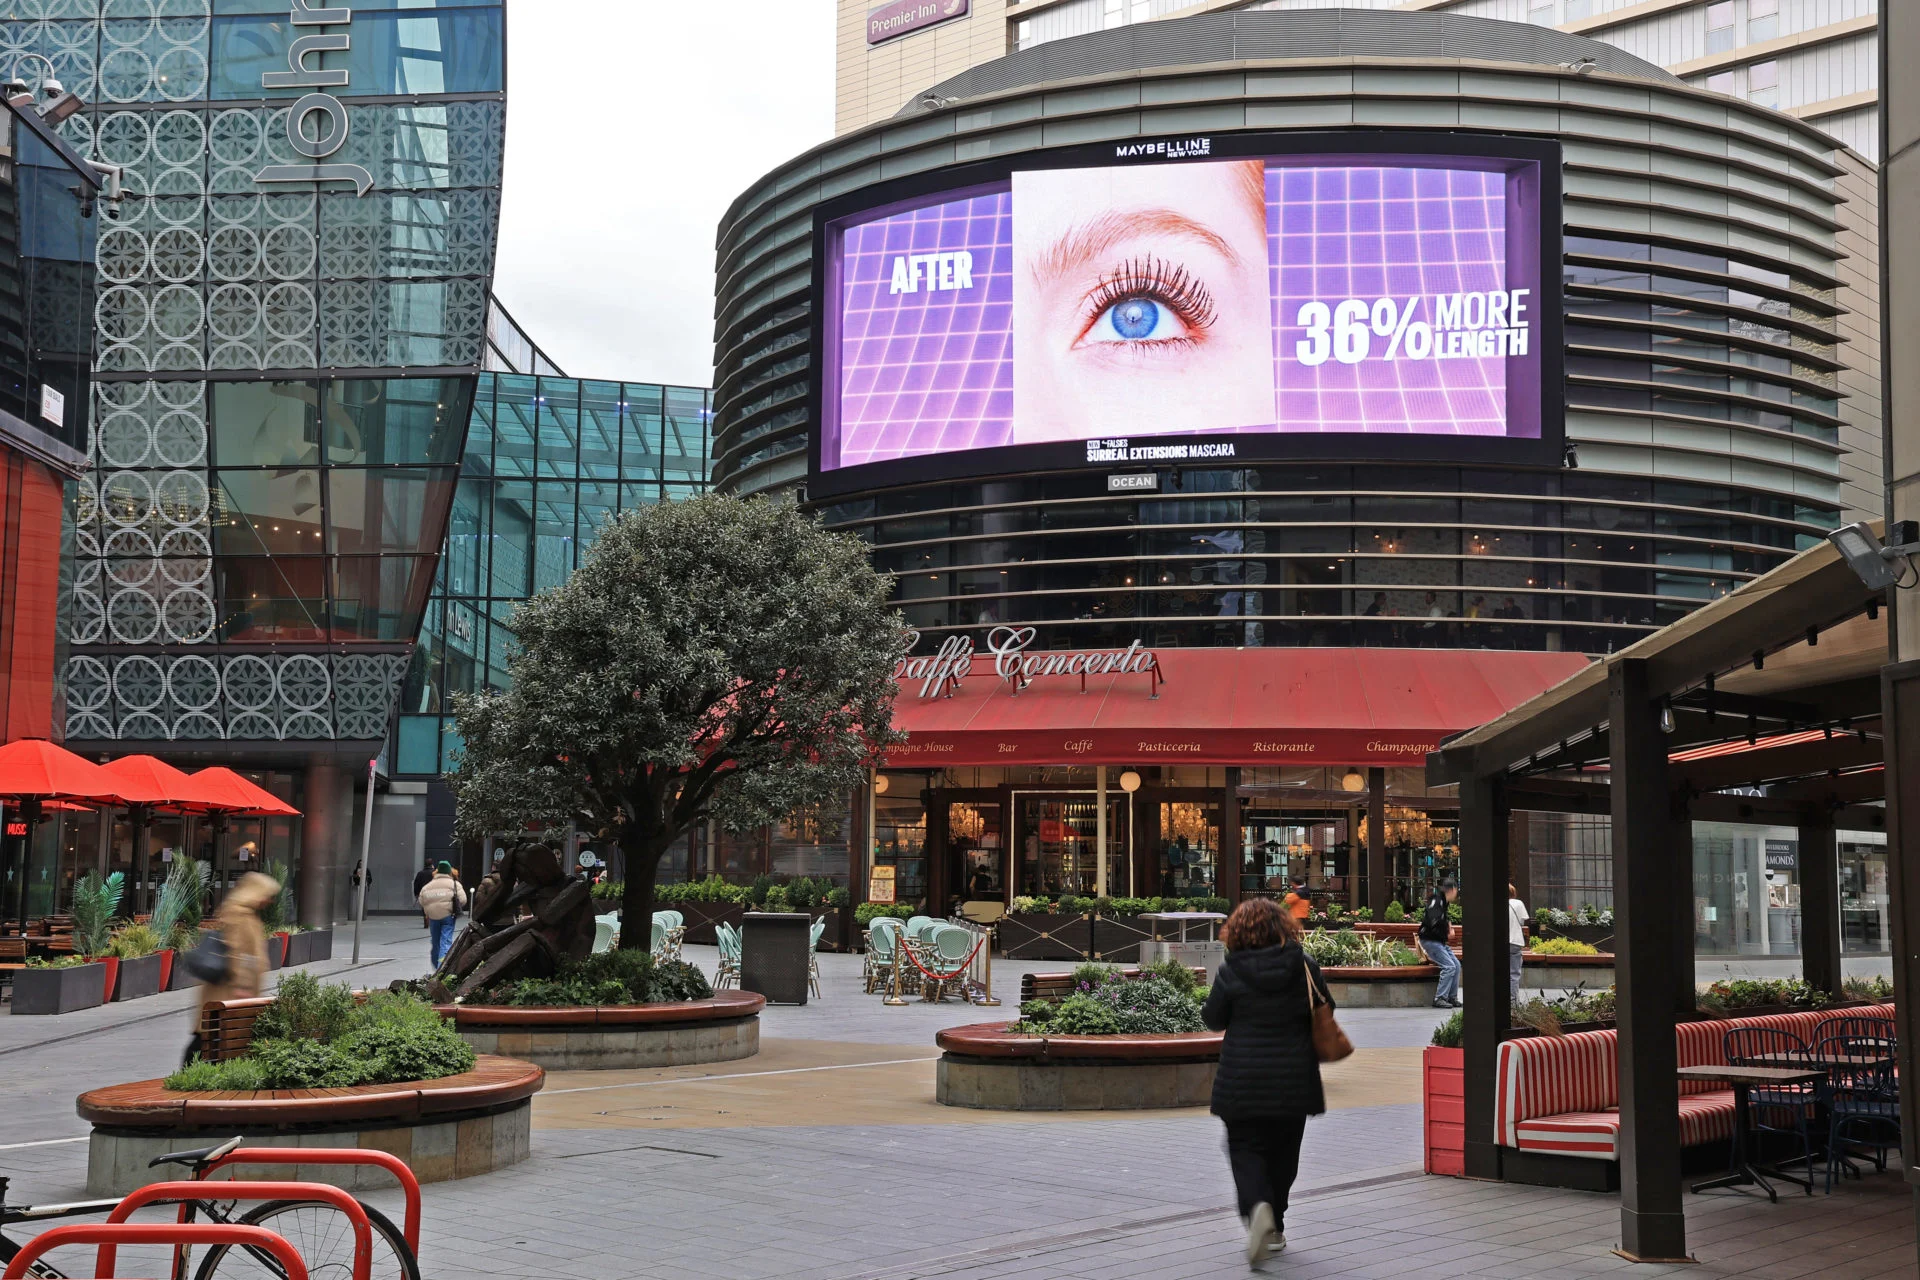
<point x="1268" y="1082"/>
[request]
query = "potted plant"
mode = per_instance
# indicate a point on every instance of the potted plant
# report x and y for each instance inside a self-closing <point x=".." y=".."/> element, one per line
<point x="94" y="902"/>
<point x="1443" y="1095"/>
<point x="277" y="916"/>
<point x="58" y="986"/>
<point x="137" y="948"/>
<point x="178" y="903"/>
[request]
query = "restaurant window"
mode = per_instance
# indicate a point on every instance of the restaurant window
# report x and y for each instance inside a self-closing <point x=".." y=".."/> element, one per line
<point x="900" y="836"/>
<point x="811" y="842"/>
<point x="977" y="840"/>
<point x="1189" y="849"/>
<point x="1864" y="925"/>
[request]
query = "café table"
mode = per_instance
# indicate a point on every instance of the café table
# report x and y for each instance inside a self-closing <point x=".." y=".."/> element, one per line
<point x="1829" y="1060"/>
<point x="1742" y="1171"/>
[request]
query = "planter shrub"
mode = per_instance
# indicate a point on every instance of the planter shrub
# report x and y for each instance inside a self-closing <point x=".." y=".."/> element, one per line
<point x="139" y="976"/>
<point x="50" y="990"/>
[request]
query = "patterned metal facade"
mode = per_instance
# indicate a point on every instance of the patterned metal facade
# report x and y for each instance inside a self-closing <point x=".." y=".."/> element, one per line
<point x="283" y="369"/>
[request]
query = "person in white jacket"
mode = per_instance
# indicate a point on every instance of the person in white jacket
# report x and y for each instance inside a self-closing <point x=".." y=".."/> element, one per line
<point x="442" y="901"/>
<point x="1516" y="940"/>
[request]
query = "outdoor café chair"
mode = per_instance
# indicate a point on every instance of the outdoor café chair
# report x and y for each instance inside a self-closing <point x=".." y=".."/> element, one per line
<point x="605" y="929"/>
<point x="814" y="934"/>
<point x="950" y="945"/>
<point x="1863" y="1107"/>
<point x="1861" y="1034"/>
<point x="1783" y="1109"/>
<point x="880" y="939"/>
<point x="727" y="971"/>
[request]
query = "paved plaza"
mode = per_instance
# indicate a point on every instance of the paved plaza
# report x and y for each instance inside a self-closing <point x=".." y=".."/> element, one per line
<point x="825" y="1158"/>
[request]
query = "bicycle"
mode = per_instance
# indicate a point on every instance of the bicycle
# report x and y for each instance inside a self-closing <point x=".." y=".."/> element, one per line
<point x="321" y="1232"/>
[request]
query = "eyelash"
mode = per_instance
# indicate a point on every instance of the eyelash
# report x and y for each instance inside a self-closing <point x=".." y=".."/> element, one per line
<point x="1164" y="282"/>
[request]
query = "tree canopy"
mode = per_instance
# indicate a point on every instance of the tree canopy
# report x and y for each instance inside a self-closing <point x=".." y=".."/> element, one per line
<point x="717" y="657"/>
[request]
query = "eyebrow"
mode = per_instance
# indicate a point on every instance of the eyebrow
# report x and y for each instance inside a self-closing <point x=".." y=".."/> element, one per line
<point x="1092" y="239"/>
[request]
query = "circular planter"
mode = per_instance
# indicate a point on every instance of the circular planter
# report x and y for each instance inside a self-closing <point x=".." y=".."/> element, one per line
<point x="454" y="1127"/>
<point x="987" y="1067"/>
<point x="1396" y="987"/>
<point x="618" y="1037"/>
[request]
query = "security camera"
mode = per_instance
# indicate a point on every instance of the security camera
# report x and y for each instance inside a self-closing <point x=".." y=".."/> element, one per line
<point x="1877" y="566"/>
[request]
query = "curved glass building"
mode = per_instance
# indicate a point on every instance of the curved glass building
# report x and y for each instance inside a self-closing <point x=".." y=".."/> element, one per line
<point x="1677" y="329"/>
<point x="1714" y="256"/>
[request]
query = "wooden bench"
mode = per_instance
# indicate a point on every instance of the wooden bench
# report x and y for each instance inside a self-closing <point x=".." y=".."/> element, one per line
<point x="1058" y="986"/>
<point x="13" y="956"/>
<point x="1557" y="1104"/>
<point x="226" y="1027"/>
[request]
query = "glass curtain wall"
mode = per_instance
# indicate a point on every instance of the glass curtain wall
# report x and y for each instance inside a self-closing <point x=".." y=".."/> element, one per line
<point x="283" y="370"/>
<point x="548" y="462"/>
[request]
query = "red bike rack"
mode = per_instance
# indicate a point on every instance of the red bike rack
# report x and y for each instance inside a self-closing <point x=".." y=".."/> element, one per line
<point x="336" y="1155"/>
<point x="183" y="1192"/>
<point x="170" y="1233"/>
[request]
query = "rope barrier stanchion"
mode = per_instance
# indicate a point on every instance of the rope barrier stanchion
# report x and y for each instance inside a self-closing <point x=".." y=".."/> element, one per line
<point x="899" y="945"/>
<point x="988" y="999"/>
<point x="932" y="983"/>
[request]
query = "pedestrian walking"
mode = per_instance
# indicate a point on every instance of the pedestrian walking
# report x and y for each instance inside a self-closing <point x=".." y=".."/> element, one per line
<point x="1268" y="1080"/>
<point x="420" y="882"/>
<point x="230" y="962"/>
<point x="1516" y="941"/>
<point x="441" y="901"/>
<point x="1436" y="926"/>
<point x="1298" y="902"/>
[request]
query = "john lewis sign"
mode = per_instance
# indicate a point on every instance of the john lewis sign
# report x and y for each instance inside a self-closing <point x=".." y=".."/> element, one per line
<point x="326" y="113"/>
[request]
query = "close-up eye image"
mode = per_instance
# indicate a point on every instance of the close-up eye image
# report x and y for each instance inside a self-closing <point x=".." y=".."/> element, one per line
<point x="1140" y="301"/>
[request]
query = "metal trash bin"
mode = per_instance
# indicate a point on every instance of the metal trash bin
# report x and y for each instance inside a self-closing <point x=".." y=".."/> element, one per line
<point x="773" y="955"/>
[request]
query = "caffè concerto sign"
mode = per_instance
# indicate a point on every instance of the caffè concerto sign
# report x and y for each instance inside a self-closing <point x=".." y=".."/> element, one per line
<point x="326" y="113"/>
<point x="942" y="672"/>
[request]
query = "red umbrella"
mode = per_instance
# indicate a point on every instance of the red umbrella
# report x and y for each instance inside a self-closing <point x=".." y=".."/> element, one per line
<point x="170" y="788"/>
<point x="235" y="794"/>
<point x="35" y="769"/>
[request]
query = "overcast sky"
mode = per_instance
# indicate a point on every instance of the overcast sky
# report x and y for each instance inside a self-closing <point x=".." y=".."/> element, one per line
<point x="631" y="126"/>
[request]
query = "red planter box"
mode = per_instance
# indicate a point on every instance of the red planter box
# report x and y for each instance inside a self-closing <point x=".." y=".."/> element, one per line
<point x="112" y="975"/>
<point x="1443" y="1093"/>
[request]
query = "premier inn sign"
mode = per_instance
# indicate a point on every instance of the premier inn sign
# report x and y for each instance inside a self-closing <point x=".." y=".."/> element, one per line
<point x="325" y="113"/>
<point x="904" y="17"/>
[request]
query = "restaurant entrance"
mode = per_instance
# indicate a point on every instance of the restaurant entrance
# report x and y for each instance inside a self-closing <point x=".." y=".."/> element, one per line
<point x="1059" y="853"/>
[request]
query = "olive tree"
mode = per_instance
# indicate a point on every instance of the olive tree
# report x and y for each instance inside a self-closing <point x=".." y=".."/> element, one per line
<point x="716" y="658"/>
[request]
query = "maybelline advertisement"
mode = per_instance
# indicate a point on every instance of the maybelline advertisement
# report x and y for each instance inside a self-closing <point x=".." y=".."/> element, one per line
<point x="1178" y="311"/>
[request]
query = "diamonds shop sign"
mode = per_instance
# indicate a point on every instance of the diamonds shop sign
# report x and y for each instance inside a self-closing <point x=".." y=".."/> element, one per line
<point x="317" y="123"/>
<point x="904" y="17"/>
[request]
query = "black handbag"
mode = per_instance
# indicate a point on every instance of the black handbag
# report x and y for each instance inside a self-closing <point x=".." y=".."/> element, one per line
<point x="208" y="962"/>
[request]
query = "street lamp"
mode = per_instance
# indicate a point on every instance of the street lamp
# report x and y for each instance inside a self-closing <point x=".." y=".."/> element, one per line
<point x="1872" y="562"/>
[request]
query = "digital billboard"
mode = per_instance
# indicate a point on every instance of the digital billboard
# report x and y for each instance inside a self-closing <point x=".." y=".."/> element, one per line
<point x="1210" y="299"/>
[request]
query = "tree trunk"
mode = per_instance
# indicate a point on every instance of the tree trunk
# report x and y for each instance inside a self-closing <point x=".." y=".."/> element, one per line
<point x="636" y="901"/>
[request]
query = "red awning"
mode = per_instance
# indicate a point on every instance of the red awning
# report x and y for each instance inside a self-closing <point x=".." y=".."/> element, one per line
<point x="1331" y="707"/>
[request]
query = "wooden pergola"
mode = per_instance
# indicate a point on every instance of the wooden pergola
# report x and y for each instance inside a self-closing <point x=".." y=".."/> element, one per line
<point x="1781" y="690"/>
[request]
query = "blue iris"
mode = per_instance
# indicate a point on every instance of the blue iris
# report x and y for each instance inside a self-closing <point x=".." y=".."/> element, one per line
<point x="1135" y="318"/>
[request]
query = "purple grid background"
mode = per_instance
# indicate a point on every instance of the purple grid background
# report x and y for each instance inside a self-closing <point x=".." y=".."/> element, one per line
<point x="924" y="373"/>
<point x="1367" y="233"/>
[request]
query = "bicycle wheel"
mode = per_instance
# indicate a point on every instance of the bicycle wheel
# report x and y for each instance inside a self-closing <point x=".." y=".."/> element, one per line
<point x="324" y="1238"/>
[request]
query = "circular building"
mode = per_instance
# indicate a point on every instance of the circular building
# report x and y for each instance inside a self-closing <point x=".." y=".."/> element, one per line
<point x="1354" y="378"/>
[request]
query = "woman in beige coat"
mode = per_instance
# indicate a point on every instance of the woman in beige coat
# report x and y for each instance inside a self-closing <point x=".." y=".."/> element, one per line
<point x="244" y="935"/>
